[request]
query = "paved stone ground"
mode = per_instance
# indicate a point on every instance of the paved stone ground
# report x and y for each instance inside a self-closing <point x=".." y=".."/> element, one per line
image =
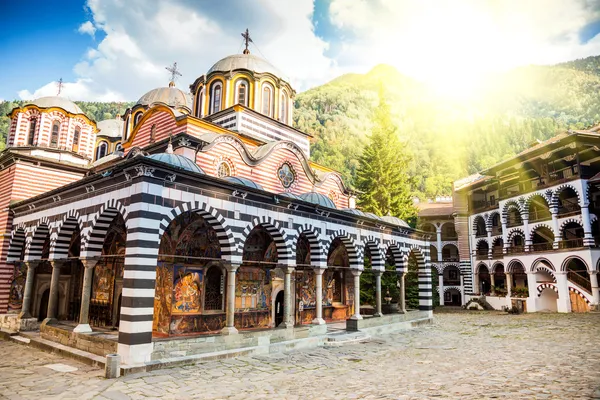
<point x="464" y="355"/>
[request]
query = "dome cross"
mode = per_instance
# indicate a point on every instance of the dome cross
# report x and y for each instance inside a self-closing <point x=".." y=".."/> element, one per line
<point x="247" y="40"/>
<point x="174" y="73"/>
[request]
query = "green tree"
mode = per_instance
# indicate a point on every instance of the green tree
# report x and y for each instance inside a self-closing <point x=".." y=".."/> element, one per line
<point x="382" y="175"/>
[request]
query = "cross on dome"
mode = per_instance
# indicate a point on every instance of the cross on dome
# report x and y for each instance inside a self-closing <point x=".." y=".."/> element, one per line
<point x="174" y="73"/>
<point x="247" y="40"/>
<point x="59" y="84"/>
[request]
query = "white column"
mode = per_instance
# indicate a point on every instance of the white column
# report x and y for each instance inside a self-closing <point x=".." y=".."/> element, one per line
<point x="356" y="274"/>
<point x="504" y="237"/>
<point x="588" y="240"/>
<point x="288" y="314"/>
<point x="204" y="92"/>
<point x="402" y="304"/>
<point x="564" y="300"/>
<point x="319" y="296"/>
<point x="595" y="290"/>
<point x="532" y="288"/>
<point x="86" y="294"/>
<point x="489" y="240"/>
<point x="439" y="243"/>
<point x="441" y="288"/>
<point x="527" y="233"/>
<point x="28" y="291"/>
<point x="378" y="312"/>
<point x="462" y="289"/>
<point x="556" y="229"/>
<point x="508" y="285"/>
<point x="230" y="328"/>
<point x="492" y="282"/>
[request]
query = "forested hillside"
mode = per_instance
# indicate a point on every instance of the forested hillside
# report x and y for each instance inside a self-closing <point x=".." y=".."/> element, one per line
<point x="447" y="138"/>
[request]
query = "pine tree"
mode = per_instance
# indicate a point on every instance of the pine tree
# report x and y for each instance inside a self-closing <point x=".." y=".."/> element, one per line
<point x="382" y="176"/>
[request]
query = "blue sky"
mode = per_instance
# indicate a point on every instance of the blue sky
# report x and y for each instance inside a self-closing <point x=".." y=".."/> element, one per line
<point x="128" y="43"/>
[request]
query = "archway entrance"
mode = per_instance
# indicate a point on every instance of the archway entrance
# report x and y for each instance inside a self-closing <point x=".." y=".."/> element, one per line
<point x="44" y="305"/>
<point x="279" y="308"/>
<point x="452" y="297"/>
<point x="338" y="286"/>
<point x="547" y="300"/>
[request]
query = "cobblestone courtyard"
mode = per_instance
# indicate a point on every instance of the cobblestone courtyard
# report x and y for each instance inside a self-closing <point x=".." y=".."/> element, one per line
<point x="460" y="356"/>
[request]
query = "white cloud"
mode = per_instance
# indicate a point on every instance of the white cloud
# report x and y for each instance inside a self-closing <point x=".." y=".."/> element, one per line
<point x="140" y="38"/>
<point x="87" y="28"/>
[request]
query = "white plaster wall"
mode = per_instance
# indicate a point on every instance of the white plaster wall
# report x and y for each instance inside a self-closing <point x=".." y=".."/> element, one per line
<point x="547" y="301"/>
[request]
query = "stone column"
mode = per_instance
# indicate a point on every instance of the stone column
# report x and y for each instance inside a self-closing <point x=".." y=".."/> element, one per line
<point x="288" y="315"/>
<point x="462" y="289"/>
<point x="532" y="289"/>
<point x="492" y="282"/>
<point x="556" y="229"/>
<point x="588" y="240"/>
<point x="595" y="290"/>
<point x="441" y="288"/>
<point x="508" y="284"/>
<point x="504" y="237"/>
<point x="28" y="291"/>
<point x="377" y="274"/>
<point x="356" y="315"/>
<point x="319" y="296"/>
<point x="439" y="243"/>
<point x="402" y="305"/>
<point x="489" y="240"/>
<point x="527" y="233"/>
<point x="230" y="301"/>
<point x="86" y="294"/>
<point x="564" y="300"/>
<point x="53" y="299"/>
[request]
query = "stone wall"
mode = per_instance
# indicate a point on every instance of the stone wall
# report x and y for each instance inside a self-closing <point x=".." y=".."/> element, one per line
<point x="12" y="323"/>
<point x="90" y="342"/>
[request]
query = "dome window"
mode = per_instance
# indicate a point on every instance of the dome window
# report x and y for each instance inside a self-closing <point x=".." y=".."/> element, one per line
<point x="283" y="108"/>
<point x="242" y="92"/>
<point x="267" y="100"/>
<point x="31" y="136"/>
<point x="216" y="98"/>
<point x="102" y="150"/>
<point x="223" y="169"/>
<point x="76" y="135"/>
<point x="137" y="118"/>
<point x="54" y="135"/>
<point x="286" y="175"/>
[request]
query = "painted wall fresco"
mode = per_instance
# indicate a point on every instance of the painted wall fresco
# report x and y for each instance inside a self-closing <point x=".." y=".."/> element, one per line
<point x="102" y="286"/>
<point x="187" y="290"/>
<point x="163" y="296"/>
<point x="15" y="300"/>
<point x="190" y="235"/>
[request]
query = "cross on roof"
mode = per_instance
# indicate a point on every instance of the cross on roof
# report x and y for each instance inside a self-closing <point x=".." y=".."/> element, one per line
<point x="247" y="40"/>
<point x="60" y="86"/>
<point x="173" y="70"/>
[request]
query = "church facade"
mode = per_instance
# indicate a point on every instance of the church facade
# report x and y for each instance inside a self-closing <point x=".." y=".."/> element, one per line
<point x="194" y="214"/>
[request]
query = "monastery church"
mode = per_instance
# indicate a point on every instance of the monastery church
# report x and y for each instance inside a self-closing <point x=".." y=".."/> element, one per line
<point x="191" y="216"/>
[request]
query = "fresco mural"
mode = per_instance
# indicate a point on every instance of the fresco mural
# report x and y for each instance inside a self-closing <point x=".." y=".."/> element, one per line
<point x="162" y="298"/>
<point x="15" y="300"/>
<point x="187" y="290"/>
<point x="189" y="235"/>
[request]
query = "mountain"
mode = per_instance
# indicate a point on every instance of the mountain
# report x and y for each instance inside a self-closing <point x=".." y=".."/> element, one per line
<point x="449" y="138"/>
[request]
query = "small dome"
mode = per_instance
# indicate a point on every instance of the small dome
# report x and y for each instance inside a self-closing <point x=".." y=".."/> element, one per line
<point x="374" y="216"/>
<point x="318" y="198"/>
<point x="249" y="62"/>
<point x="111" y="128"/>
<point x="354" y="211"/>
<point x="395" y="221"/>
<point x="170" y="96"/>
<point x="56" y="101"/>
<point x="290" y="195"/>
<point x="243" y="181"/>
<point x="177" y="161"/>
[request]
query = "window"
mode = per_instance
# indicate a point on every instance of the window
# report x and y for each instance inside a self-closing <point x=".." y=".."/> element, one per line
<point x="447" y="297"/>
<point x="286" y="175"/>
<point x="54" y="135"/>
<point x="32" y="125"/>
<point x="267" y="100"/>
<point x="101" y="150"/>
<point x="216" y="98"/>
<point x="119" y="147"/>
<point x="137" y="118"/>
<point x="75" y="147"/>
<point x="223" y="169"/>
<point x="242" y="93"/>
<point x="283" y="108"/>
<point x="215" y="286"/>
<point x="200" y="104"/>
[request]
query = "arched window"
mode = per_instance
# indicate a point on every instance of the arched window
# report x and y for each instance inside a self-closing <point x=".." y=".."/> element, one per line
<point x="267" y="100"/>
<point x="216" y="94"/>
<point x="283" y="108"/>
<point x="119" y="147"/>
<point x="32" y="125"/>
<point x="200" y="103"/>
<point x="54" y="135"/>
<point x="241" y="92"/>
<point x="75" y="147"/>
<point x="137" y="118"/>
<point x="223" y="170"/>
<point x="102" y="150"/>
<point x="213" y="295"/>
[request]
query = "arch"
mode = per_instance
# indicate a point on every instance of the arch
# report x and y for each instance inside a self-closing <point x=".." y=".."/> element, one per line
<point x="542" y="264"/>
<point x="377" y="260"/>
<point x="569" y="222"/>
<point x="214" y="299"/>
<point x="267" y="95"/>
<point x="16" y="247"/>
<point x="565" y="263"/>
<point x="542" y="237"/>
<point x="544" y="286"/>
<point x="283" y="107"/>
<point x="491" y="218"/>
<point x="479" y="226"/>
<point x="76" y="135"/>
<point x="457" y="288"/>
<point x="137" y="117"/>
<point x="316" y="252"/>
<point x="102" y="149"/>
<point x="393" y="249"/>
<point x="433" y="253"/>
<point x="41" y="233"/>
<point x="510" y="205"/>
<point x="482" y="247"/>
<point x="512" y="213"/>
<point x="536" y="211"/>
<point x="449" y="231"/>
<point x="480" y="266"/>
<point x="558" y="191"/>
<point x="91" y="245"/>
<point x="450" y="300"/>
<point x="451" y="275"/>
<point x="242" y="90"/>
<point x="428" y="227"/>
<point x="31" y="131"/>
<point x="515" y="232"/>
<point x="55" y="133"/>
<point x="67" y="227"/>
<point x="424" y="278"/>
<point x="351" y="249"/>
<point x="514" y="265"/>
<point x="216" y="96"/>
<point x="450" y="252"/>
<point x="214" y="218"/>
<point x="284" y="255"/>
<point x="496" y="265"/>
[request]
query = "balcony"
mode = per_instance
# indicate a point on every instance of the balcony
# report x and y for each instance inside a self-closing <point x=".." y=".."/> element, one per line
<point x="538" y="247"/>
<point x="571" y="243"/>
<point x="515" y="250"/>
<point x="497" y="254"/>
<point x="451" y="282"/>
<point x="483" y="205"/>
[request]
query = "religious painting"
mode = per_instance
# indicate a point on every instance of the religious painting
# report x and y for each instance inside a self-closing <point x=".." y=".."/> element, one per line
<point x="189" y="235"/>
<point x="306" y="296"/>
<point x="302" y="251"/>
<point x="15" y="300"/>
<point x="162" y="298"/>
<point x="259" y="246"/>
<point x="187" y="290"/>
<point x="191" y="324"/>
<point x="252" y="289"/>
<point x="338" y="256"/>
<point x="102" y="284"/>
<point x="255" y="319"/>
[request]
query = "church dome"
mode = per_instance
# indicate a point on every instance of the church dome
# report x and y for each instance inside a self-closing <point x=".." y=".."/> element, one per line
<point x="56" y="101"/>
<point x="249" y="62"/>
<point x="318" y="198"/>
<point x="171" y="96"/>
<point x="243" y="181"/>
<point x="111" y="127"/>
<point x="177" y="161"/>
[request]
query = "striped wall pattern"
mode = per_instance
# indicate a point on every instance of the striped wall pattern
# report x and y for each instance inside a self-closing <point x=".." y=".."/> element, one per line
<point x="284" y="255"/>
<point x="17" y="242"/>
<point x="60" y="246"/>
<point x="347" y="239"/>
<point x="377" y="259"/>
<point x="214" y="218"/>
<point x="40" y="235"/>
<point x="92" y="243"/>
<point x="466" y="271"/>
<point x="543" y="286"/>
<point x="318" y="250"/>
<point x="584" y="296"/>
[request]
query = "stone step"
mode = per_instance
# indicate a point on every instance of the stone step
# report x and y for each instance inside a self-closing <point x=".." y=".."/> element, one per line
<point x="343" y="338"/>
<point x="21" y="339"/>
